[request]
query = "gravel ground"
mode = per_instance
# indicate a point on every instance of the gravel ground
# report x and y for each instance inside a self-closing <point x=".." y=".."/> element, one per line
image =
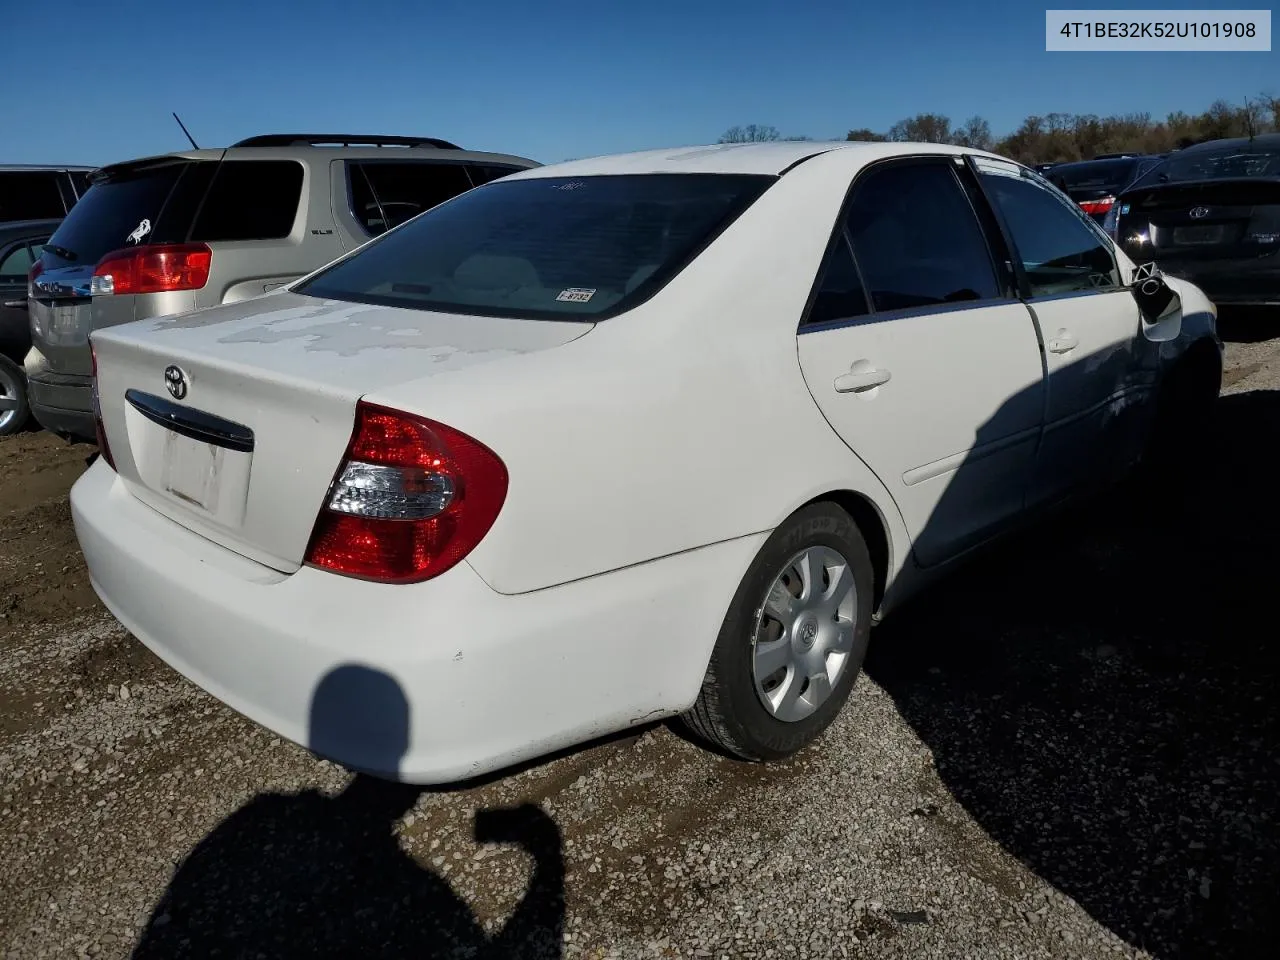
<point x="1067" y="750"/>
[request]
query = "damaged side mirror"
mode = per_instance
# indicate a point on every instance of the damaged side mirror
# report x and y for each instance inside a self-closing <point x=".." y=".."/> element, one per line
<point x="1159" y="304"/>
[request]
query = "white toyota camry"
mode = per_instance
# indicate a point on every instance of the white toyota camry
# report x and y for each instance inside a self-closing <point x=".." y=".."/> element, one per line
<point x="623" y="438"/>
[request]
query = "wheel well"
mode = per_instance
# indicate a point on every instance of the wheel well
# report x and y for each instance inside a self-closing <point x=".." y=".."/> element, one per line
<point x="1203" y="359"/>
<point x="872" y="527"/>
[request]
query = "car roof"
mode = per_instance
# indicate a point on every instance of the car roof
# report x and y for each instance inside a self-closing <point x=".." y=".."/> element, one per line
<point x="27" y="228"/>
<point x="28" y="167"/>
<point x="772" y="158"/>
<point x="1266" y="141"/>
<point x="322" y="154"/>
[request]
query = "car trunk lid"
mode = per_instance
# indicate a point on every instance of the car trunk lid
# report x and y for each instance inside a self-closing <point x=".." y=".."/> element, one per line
<point x="1205" y="220"/>
<point x="232" y="421"/>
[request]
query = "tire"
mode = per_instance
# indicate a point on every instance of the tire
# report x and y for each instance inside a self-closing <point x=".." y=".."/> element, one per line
<point x="14" y="410"/>
<point x="730" y="712"/>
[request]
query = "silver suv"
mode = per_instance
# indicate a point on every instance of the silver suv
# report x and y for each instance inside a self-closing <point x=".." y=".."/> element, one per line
<point x="194" y="229"/>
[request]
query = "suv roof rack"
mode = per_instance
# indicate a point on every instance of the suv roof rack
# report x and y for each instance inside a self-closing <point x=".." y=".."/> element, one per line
<point x="343" y="140"/>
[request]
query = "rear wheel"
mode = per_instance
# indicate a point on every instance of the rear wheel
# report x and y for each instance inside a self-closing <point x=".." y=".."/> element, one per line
<point x="13" y="398"/>
<point x="793" y="640"/>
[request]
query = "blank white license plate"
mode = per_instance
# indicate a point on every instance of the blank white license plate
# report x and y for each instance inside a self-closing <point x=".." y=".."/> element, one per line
<point x="192" y="470"/>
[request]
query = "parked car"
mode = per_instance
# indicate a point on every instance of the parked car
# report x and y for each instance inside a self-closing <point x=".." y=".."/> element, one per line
<point x="201" y="227"/>
<point x="34" y="192"/>
<point x="20" y="243"/>
<point x="618" y="439"/>
<point x="1093" y="184"/>
<point x="1211" y="213"/>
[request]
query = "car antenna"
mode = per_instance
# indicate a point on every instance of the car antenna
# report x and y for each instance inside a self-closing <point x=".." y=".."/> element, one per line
<point x="194" y="145"/>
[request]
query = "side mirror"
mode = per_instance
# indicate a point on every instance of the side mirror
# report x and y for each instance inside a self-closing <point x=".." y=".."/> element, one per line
<point x="1159" y="304"/>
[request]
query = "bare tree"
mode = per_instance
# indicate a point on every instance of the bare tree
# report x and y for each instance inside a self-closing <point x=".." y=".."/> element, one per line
<point x="751" y="133"/>
<point x="866" y="136"/>
<point x="976" y="133"/>
<point x="922" y="128"/>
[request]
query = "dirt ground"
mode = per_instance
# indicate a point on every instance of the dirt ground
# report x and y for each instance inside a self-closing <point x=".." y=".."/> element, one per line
<point x="1070" y="749"/>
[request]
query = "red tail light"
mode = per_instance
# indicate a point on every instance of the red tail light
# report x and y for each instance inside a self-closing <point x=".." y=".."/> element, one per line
<point x="103" y="447"/>
<point x="1095" y="207"/>
<point x="412" y="498"/>
<point x="152" y="269"/>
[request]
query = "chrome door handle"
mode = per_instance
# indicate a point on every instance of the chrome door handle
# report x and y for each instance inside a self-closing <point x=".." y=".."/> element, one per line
<point x="1064" y="342"/>
<point x="860" y="378"/>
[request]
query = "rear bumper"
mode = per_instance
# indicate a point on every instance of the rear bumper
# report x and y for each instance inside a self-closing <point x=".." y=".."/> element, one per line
<point x="428" y="683"/>
<point x="1231" y="282"/>
<point x="62" y="404"/>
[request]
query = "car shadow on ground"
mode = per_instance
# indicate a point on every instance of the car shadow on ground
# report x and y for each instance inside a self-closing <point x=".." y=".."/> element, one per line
<point x="306" y="875"/>
<point x="1101" y="696"/>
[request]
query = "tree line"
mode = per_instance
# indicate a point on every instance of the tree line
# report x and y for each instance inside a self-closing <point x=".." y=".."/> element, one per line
<point x="1062" y="137"/>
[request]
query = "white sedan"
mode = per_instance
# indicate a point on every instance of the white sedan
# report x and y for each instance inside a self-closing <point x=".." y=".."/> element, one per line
<point x="623" y="438"/>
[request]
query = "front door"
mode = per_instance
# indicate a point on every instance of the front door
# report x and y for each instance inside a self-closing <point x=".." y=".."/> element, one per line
<point x="921" y="358"/>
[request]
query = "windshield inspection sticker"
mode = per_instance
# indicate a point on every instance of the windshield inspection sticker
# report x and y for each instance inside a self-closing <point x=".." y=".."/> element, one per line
<point x="140" y="231"/>
<point x="576" y="294"/>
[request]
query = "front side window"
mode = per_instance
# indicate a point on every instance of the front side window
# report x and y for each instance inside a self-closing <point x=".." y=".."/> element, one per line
<point x="917" y="240"/>
<point x="1059" y="251"/>
<point x="557" y="248"/>
<point x="384" y="194"/>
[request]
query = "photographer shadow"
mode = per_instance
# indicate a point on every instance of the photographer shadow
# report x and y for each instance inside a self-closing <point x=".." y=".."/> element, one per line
<point x="306" y="875"/>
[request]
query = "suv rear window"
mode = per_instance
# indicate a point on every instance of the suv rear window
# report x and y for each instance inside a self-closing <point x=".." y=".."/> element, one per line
<point x="1109" y="175"/>
<point x="384" y="194"/>
<point x="250" y="200"/>
<point x="128" y="202"/>
<point x="555" y="248"/>
<point x="30" y="195"/>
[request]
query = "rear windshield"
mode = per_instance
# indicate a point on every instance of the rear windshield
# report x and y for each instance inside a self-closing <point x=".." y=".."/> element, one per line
<point x="30" y="195"/>
<point x="115" y="213"/>
<point x="1095" y="174"/>
<point x="1226" y="164"/>
<point x="554" y="248"/>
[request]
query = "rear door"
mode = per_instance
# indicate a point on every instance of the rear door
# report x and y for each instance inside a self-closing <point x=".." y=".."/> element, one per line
<point x="1089" y="325"/>
<point x="921" y="357"/>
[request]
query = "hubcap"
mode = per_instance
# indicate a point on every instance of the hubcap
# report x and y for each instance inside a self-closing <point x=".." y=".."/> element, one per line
<point x="804" y="633"/>
<point x="8" y="398"/>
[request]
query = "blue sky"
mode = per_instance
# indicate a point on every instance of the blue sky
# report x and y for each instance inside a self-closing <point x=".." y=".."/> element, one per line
<point x="553" y="80"/>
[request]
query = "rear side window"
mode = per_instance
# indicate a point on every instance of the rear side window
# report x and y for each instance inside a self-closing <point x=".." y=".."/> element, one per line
<point x="917" y="239"/>
<point x="1060" y="252"/>
<point x="250" y="200"/>
<point x="840" y="294"/>
<point x="553" y="248"/>
<point x="386" y="194"/>
<point x="30" y="195"/>
<point x="116" y="212"/>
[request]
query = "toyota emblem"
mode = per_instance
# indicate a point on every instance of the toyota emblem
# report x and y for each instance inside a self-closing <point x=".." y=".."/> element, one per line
<point x="1199" y="213"/>
<point x="176" y="381"/>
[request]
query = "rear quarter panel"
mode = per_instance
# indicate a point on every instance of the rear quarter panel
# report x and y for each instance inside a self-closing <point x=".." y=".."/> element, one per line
<point x="682" y="423"/>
